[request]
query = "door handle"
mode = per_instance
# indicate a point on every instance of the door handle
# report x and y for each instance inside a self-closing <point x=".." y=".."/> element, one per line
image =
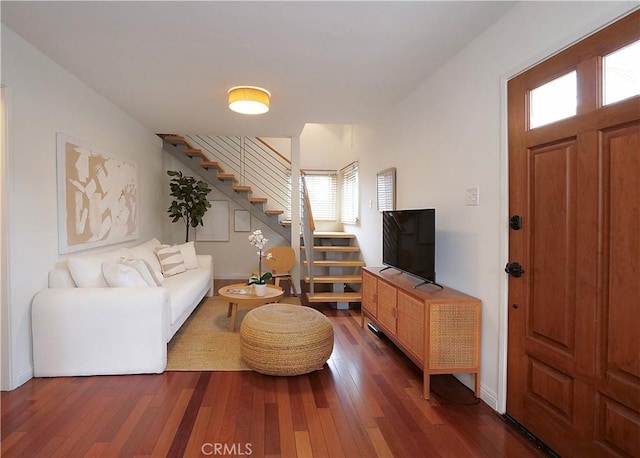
<point x="514" y="269"/>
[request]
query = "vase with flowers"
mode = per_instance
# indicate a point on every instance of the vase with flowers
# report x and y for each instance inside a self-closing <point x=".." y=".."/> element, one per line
<point x="259" y="281"/>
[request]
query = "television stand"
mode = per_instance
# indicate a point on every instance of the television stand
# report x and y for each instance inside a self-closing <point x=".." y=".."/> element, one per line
<point x="428" y="282"/>
<point x="438" y="330"/>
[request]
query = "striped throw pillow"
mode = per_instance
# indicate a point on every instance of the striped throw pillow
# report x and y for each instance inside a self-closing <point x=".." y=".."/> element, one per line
<point x="171" y="260"/>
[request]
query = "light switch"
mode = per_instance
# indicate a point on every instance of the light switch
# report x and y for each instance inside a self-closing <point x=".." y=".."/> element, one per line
<point x="472" y="196"/>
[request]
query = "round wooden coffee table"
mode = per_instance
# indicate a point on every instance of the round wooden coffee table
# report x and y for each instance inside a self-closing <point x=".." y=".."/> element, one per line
<point x="241" y="294"/>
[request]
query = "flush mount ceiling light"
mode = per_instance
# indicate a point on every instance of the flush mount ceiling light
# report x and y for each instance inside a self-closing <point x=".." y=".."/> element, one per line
<point x="249" y="100"/>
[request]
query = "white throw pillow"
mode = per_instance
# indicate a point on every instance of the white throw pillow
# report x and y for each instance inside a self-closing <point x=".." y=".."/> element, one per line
<point x="146" y="251"/>
<point x="188" y="251"/>
<point x="171" y="260"/>
<point x="143" y="269"/>
<point x="86" y="270"/>
<point x="118" y="275"/>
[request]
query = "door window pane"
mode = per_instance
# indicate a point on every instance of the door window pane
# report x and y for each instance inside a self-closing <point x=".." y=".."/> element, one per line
<point x="553" y="101"/>
<point x="621" y="74"/>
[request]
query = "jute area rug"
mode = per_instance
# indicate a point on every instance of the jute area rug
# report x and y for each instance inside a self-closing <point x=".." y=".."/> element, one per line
<point x="205" y="343"/>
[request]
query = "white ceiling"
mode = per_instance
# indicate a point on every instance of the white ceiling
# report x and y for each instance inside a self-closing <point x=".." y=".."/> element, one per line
<point x="170" y="64"/>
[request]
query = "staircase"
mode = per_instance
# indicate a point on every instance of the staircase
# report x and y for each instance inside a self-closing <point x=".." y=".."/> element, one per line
<point x="335" y="269"/>
<point x="331" y="259"/>
<point x="211" y="171"/>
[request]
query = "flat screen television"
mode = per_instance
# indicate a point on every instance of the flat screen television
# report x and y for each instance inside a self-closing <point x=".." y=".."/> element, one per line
<point x="409" y="242"/>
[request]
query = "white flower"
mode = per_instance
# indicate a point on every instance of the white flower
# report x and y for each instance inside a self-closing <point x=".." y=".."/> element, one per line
<point x="257" y="239"/>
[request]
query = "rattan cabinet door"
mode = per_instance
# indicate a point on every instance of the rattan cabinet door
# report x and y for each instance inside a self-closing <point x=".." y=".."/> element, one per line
<point x="387" y="302"/>
<point x="369" y="294"/>
<point x="411" y="324"/>
<point x="454" y="336"/>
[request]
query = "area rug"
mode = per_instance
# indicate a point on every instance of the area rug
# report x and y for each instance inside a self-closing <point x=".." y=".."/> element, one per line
<point x="205" y="343"/>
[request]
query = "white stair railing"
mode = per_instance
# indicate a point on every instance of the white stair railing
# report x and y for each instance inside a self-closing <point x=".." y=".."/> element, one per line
<point x="253" y="162"/>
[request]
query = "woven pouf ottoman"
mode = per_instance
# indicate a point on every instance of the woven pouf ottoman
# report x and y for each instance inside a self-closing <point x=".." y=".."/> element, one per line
<point x="285" y="339"/>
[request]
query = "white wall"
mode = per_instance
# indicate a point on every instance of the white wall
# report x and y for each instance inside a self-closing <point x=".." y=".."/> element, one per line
<point x="43" y="99"/>
<point x="447" y="136"/>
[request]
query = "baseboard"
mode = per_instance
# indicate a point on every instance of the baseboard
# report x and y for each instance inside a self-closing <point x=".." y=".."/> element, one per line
<point x="20" y="379"/>
<point x="488" y="396"/>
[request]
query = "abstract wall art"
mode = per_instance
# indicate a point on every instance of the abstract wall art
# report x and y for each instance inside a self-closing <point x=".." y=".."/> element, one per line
<point x="97" y="196"/>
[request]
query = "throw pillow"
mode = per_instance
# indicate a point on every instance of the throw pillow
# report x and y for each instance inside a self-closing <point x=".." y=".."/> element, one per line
<point x="171" y="260"/>
<point x="86" y="270"/>
<point x="122" y="276"/>
<point x="141" y="266"/>
<point x="188" y="251"/>
<point x="146" y="251"/>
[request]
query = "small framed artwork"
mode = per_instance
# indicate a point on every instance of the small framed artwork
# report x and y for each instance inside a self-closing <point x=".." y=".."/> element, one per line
<point x="215" y="221"/>
<point x="242" y="221"/>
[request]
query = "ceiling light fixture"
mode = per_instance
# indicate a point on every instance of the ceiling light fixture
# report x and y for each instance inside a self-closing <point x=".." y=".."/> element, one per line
<point x="249" y="100"/>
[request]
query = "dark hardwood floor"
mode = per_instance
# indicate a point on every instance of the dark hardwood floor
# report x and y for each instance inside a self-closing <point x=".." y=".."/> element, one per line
<point x="365" y="402"/>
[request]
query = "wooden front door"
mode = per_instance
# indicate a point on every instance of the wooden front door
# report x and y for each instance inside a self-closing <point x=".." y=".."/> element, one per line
<point x="573" y="374"/>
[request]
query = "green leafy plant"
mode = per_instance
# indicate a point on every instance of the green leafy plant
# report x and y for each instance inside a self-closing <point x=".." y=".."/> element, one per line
<point x="191" y="202"/>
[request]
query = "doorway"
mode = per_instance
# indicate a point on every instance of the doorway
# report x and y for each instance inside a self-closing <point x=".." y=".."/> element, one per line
<point x="573" y="360"/>
<point x="5" y="355"/>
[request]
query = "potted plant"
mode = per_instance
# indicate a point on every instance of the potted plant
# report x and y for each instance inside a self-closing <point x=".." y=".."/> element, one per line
<point x="191" y="202"/>
<point x="259" y="282"/>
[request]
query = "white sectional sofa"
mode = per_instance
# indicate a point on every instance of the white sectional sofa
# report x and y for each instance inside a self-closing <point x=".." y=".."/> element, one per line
<point x="84" y="324"/>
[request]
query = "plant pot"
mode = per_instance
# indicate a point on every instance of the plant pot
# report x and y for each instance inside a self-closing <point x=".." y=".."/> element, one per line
<point x="260" y="290"/>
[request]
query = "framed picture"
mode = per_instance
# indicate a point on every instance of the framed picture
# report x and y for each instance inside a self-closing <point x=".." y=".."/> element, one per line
<point x="241" y="221"/>
<point x="97" y="196"/>
<point x="215" y="222"/>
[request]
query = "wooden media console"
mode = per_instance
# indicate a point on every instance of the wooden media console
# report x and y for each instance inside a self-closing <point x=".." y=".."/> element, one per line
<point x="438" y="329"/>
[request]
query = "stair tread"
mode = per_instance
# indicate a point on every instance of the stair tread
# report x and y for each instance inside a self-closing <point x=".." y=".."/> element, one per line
<point x="274" y="212"/>
<point x="242" y="188"/>
<point x="173" y="139"/>
<point x="258" y="200"/>
<point x="334" y="297"/>
<point x="227" y="176"/>
<point x="336" y="263"/>
<point x="334" y="279"/>
<point x="338" y="248"/>
<point x="207" y="164"/>
<point x="193" y="152"/>
<point x="333" y="235"/>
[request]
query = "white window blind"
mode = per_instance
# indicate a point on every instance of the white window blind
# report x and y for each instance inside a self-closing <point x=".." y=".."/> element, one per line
<point x="323" y="188"/>
<point x="349" y="193"/>
<point x="386" y="185"/>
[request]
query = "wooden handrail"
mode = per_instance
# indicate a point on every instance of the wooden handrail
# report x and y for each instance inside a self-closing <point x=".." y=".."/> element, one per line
<point x="275" y="151"/>
<point x="308" y="228"/>
<point x="307" y="205"/>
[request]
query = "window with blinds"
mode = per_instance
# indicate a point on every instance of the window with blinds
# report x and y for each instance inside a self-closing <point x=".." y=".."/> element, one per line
<point x="323" y="189"/>
<point x="349" y="193"/>
<point x="386" y="185"/>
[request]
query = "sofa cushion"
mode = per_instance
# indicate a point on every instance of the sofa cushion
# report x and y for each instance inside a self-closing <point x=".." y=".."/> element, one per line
<point x="185" y="289"/>
<point x="86" y="271"/>
<point x="118" y="275"/>
<point x="146" y="251"/>
<point x="142" y="268"/>
<point x="171" y="260"/>
<point x="188" y="251"/>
